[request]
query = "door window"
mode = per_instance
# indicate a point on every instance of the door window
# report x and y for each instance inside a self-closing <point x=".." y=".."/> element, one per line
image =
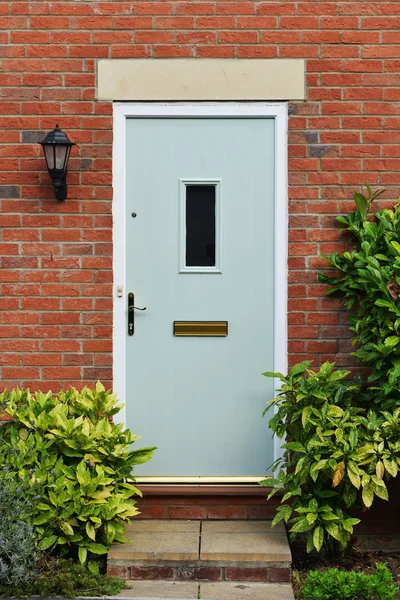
<point x="200" y="223"/>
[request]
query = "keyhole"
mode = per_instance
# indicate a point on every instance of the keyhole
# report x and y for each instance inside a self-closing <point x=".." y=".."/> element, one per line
<point x="134" y="215"/>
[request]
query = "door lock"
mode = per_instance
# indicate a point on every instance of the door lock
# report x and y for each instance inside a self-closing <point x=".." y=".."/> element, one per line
<point x="131" y="313"/>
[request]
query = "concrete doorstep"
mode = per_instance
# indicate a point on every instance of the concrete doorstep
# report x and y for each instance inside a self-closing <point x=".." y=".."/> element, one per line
<point x="224" y="551"/>
<point x="221" y="590"/>
<point x="210" y="560"/>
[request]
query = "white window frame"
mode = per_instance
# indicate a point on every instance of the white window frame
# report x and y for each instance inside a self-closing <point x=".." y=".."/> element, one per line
<point x="183" y="183"/>
<point x="123" y="111"/>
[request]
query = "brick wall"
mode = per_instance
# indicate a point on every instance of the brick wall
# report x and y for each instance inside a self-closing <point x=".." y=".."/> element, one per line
<point x="211" y="505"/>
<point x="56" y="258"/>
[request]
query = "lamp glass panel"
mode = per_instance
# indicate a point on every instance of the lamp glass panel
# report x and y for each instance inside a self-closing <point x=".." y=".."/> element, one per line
<point x="49" y="154"/>
<point x="61" y="153"/>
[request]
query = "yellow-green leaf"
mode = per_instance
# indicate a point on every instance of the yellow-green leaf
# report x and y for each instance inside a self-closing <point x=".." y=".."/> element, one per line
<point x="66" y="528"/>
<point x="368" y="495"/>
<point x="354" y="478"/>
<point x="391" y="467"/>
<point x="318" y="537"/>
<point x="106" y="493"/>
<point x="99" y="387"/>
<point x="380" y="469"/>
<point x="307" y="410"/>
<point x="334" y="531"/>
<point x="311" y="518"/>
<point x="47" y="542"/>
<point x="90" y="531"/>
<point x="338" y="474"/>
<point x="85" y="428"/>
<point x="335" y="411"/>
<point x="381" y="491"/>
<point x="82" y="553"/>
<point x="97" y="548"/>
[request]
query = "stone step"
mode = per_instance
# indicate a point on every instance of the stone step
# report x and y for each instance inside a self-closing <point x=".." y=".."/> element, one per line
<point x="220" y="590"/>
<point x="213" y="551"/>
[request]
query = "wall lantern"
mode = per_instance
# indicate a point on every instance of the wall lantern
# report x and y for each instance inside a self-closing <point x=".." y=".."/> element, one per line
<point x="57" y="148"/>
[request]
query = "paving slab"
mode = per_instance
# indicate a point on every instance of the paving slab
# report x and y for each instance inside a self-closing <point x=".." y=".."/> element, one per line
<point x="159" y="540"/>
<point x="242" y="527"/>
<point x="224" y="590"/>
<point x="161" y="589"/>
<point x="245" y="547"/>
<point x="162" y="545"/>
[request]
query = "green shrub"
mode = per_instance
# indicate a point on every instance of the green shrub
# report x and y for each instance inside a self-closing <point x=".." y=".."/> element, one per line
<point x="18" y="554"/>
<point x="350" y="585"/>
<point x="63" y="578"/>
<point x="81" y="461"/>
<point x="337" y="454"/>
<point x="368" y="281"/>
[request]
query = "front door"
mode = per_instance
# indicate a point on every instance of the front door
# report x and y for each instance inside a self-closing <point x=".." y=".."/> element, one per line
<point x="200" y="257"/>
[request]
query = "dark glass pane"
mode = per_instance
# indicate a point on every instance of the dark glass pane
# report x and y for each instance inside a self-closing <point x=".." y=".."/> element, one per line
<point x="200" y="225"/>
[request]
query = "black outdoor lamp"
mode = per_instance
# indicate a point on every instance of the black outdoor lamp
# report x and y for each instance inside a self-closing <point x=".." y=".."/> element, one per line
<point x="57" y="148"/>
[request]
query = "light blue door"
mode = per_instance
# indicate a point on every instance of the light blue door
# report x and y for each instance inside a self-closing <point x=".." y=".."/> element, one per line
<point x="200" y="250"/>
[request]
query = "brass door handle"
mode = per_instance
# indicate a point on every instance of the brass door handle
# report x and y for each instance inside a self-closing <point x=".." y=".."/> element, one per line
<point x="131" y="313"/>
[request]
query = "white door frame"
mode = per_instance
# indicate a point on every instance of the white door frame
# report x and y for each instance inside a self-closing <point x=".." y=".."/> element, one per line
<point x="121" y="112"/>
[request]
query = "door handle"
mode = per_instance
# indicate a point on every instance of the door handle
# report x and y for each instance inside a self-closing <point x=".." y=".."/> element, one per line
<point x="131" y="313"/>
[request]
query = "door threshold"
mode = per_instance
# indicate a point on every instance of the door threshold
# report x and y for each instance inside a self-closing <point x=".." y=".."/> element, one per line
<point x="202" y="487"/>
<point x="201" y="480"/>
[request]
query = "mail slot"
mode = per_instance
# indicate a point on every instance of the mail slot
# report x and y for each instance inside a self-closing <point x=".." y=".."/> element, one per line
<point x="200" y="328"/>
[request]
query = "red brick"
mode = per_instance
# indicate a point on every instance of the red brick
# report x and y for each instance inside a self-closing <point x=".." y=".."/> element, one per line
<point x="40" y="332"/>
<point x="53" y="22"/>
<point x="152" y="573"/>
<point x="298" y="23"/>
<point x="213" y="23"/>
<point x="247" y="574"/>
<point x="190" y="8"/>
<point x="339" y="23"/>
<point x="186" y="512"/>
<point x="279" y="574"/>
<point x="153" y="512"/>
<point x="97" y="345"/>
<point x="173" y="51"/>
<point x="61" y="372"/>
<point x="227" y="512"/>
<point x="238" y="37"/>
<point x="303" y="332"/>
<point x="16" y="372"/>
<point x="42" y="359"/>
<point x="261" y="512"/>
<point x="198" y="573"/>
<point x="386" y="22"/>
<point x="173" y="23"/>
<point x="12" y="23"/>
<point x="154" y="37"/>
<point x="115" y="571"/>
<point x="16" y="345"/>
<point x="30" y="8"/>
<point x="322" y="8"/>
<point x="10" y="359"/>
<point x="257" y="51"/>
<point x="19" y="318"/>
<point x="60" y="346"/>
<point x="276" y="8"/>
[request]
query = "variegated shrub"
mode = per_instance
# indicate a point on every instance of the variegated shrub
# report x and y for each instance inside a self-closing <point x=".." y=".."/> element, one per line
<point x="337" y="457"/>
<point x="81" y="460"/>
